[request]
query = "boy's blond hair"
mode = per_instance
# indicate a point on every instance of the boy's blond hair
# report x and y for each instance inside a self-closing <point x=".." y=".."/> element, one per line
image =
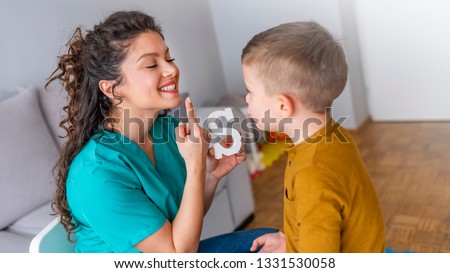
<point x="301" y="58"/>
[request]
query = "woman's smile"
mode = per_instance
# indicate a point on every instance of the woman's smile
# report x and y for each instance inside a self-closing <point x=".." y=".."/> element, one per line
<point x="169" y="87"/>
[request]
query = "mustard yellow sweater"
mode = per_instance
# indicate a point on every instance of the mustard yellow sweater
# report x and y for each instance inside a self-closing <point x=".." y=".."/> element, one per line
<point x="330" y="204"/>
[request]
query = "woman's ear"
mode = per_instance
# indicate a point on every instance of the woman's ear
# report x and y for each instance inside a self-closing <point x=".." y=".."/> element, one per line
<point x="286" y="105"/>
<point x="106" y="86"/>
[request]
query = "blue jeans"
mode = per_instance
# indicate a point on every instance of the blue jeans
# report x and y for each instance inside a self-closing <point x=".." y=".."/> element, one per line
<point x="234" y="242"/>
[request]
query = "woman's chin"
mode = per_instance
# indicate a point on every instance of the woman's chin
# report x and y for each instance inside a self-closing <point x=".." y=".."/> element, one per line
<point x="174" y="101"/>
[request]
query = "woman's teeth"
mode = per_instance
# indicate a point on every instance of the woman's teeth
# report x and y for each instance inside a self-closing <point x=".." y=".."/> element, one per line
<point x="168" y="88"/>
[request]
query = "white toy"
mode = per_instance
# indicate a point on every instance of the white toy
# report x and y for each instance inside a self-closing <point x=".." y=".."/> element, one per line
<point x="219" y="150"/>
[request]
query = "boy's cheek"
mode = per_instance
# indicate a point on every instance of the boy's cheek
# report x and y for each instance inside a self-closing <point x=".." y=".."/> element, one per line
<point x="262" y="121"/>
<point x="260" y="127"/>
<point x="259" y="124"/>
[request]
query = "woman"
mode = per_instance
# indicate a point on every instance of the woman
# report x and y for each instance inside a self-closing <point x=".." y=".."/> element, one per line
<point x="131" y="179"/>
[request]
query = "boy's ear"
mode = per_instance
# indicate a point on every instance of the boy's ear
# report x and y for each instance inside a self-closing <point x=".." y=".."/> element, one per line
<point x="286" y="105"/>
<point x="106" y="86"/>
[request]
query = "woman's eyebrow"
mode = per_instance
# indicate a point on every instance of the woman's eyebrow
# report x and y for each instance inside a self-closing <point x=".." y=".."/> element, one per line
<point x="150" y="54"/>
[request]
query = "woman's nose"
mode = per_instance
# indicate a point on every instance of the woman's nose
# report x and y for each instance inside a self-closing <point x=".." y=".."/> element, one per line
<point x="170" y="69"/>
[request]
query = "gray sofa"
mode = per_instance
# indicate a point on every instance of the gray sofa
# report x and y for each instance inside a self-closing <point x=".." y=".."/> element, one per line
<point x="29" y="146"/>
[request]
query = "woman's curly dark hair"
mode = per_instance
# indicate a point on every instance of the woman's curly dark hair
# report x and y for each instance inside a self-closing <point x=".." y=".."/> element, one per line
<point x="96" y="56"/>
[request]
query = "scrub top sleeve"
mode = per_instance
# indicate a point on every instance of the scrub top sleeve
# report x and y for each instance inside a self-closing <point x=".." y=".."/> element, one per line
<point x="115" y="206"/>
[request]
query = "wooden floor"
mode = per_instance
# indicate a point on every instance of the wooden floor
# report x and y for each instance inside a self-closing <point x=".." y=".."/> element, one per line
<point x="410" y="167"/>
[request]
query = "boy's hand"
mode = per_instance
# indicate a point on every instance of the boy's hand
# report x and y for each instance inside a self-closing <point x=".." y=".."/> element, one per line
<point x="271" y="242"/>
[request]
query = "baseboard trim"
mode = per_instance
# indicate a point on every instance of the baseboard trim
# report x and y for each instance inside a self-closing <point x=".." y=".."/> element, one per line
<point x="363" y="124"/>
<point x="245" y="223"/>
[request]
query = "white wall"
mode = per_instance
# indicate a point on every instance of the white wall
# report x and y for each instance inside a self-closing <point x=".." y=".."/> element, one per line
<point x="236" y="21"/>
<point x="405" y="46"/>
<point x="205" y="36"/>
<point x="33" y="33"/>
<point x="356" y="75"/>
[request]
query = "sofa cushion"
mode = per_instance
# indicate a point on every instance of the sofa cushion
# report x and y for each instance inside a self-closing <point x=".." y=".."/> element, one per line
<point x="52" y="102"/>
<point x="28" y="157"/>
<point x="13" y="243"/>
<point x="4" y="94"/>
<point x="33" y="222"/>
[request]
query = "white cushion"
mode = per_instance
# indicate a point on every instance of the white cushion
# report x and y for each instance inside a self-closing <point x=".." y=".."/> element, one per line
<point x="34" y="221"/>
<point x="52" y="102"/>
<point x="13" y="243"/>
<point x="4" y="94"/>
<point x="27" y="158"/>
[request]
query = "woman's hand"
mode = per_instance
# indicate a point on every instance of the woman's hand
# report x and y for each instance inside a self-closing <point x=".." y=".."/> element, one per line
<point x="218" y="168"/>
<point x="185" y="229"/>
<point x="191" y="140"/>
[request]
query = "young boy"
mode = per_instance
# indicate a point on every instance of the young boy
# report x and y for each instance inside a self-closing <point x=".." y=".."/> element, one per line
<point x="293" y="73"/>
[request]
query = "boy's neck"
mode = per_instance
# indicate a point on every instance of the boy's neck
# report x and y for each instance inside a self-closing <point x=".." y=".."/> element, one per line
<point x="304" y="126"/>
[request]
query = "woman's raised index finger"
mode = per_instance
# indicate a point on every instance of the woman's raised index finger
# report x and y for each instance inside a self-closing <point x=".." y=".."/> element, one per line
<point x="190" y="114"/>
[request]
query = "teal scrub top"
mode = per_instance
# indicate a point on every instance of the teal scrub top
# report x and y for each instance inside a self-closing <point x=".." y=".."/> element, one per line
<point x="115" y="193"/>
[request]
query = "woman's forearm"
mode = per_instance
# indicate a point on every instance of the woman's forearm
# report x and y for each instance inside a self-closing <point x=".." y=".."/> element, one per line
<point x="187" y="225"/>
